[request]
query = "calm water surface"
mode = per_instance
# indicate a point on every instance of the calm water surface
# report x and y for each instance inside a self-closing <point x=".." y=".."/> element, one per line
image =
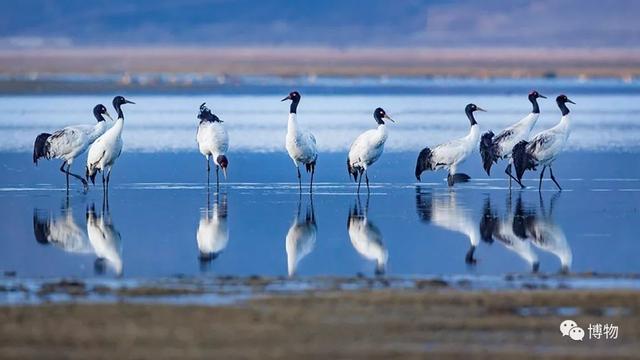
<point x="158" y="229"/>
<point x="161" y="220"/>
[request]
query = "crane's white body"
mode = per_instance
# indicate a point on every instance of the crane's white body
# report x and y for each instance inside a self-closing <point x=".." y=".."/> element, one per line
<point x="301" y="144"/>
<point x="72" y="141"/>
<point x="367" y="148"/>
<point x="453" y="153"/>
<point x="213" y="139"/>
<point x="105" y="239"/>
<point x="300" y="241"/>
<point x="515" y="133"/>
<point x="213" y="232"/>
<point x="546" y="145"/>
<point x="104" y="152"/>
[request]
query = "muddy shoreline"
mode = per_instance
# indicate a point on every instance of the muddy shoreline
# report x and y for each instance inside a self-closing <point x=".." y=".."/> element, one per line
<point x="367" y="323"/>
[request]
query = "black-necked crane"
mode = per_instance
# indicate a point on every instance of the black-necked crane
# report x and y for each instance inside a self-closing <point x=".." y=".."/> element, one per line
<point x="367" y="148"/>
<point x="104" y="152"/>
<point x="543" y="149"/>
<point x="213" y="141"/>
<point x="452" y="153"/>
<point x="300" y="143"/>
<point x="494" y="148"/>
<point x="68" y="143"/>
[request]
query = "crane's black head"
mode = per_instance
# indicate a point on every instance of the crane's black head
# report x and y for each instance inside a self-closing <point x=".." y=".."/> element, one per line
<point x="562" y="101"/>
<point x="100" y="110"/>
<point x="469" y="110"/>
<point x="533" y="97"/>
<point x="473" y="107"/>
<point x="119" y="101"/>
<point x="206" y="114"/>
<point x="224" y="163"/>
<point x="294" y="96"/>
<point x="380" y="115"/>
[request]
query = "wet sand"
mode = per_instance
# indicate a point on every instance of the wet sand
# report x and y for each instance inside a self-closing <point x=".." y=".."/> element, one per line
<point x="386" y="323"/>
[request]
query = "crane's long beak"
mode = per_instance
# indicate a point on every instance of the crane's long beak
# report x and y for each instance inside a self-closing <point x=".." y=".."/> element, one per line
<point x="388" y="118"/>
<point x="109" y="116"/>
<point x="224" y="173"/>
<point x="287" y="98"/>
<point x="480" y="109"/>
<point x="542" y="96"/>
<point x="128" y="101"/>
<point x="569" y="101"/>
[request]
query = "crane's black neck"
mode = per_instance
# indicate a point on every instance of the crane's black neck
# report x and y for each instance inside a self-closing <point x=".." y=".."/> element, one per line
<point x="534" y="102"/>
<point x="378" y="118"/>
<point x="119" y="110"/>
<point x="472" y="119"/>
<point x="294" y="106"/>
<point x="98" y="115"/>
<point x="563" y="107"/>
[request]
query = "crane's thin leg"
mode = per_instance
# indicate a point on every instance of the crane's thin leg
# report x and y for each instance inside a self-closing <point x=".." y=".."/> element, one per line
<point x="366" y="176"/>
<point x="313" y="171"/>
<point x="85" y="184"/>
<point x="217" y="178"/>
<point x="208" y="170"/>
<point x="66" y="173"/>
<point x="541" y="175"/>
<point x="508" y="172"/>
<point x="554" y="178"/>
<point x="299" y="178"/>
<point x="108" y="179"/>
<point x="104" y="183"/>
<point x="359" y="181"/>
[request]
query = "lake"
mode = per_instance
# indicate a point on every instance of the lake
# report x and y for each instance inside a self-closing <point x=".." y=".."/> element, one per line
<point x="161" y="220"/>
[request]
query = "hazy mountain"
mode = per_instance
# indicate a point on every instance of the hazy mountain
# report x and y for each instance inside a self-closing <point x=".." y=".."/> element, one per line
<point x="573" y="23"/>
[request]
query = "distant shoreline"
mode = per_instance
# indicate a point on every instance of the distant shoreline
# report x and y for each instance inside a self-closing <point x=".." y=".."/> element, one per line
<point x="318" y="61"/>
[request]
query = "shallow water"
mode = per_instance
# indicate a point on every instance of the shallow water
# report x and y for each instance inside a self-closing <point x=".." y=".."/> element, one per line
<point x="259" y="225"/>
<point x="602" y="121"/>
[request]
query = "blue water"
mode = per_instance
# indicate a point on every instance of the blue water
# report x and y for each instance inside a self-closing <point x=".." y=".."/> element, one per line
<point x="262" y="226"/>
<point x="424" y="229"/>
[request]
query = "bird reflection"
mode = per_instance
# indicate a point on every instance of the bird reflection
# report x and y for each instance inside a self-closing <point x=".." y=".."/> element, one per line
<point x="301" y="237"/>
<point x="105" y="239"/>
<point x="213" y="232"/>
<point x="546" y="235"/>
<point x="365" y="237"/>
<point x="526" y="227"/>
<point x="508" y="231"/>
<point x="448" y="213"/>
<point x="60" y="230"/>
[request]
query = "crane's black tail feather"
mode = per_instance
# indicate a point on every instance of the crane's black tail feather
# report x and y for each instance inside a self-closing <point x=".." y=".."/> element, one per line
<point x="460" y="178"/>
<point x="91" y="176"/>
<point x="40" y="147"/>
<point x="522" y="160"/>
<point x="311" y="166"/>
<point x="423" y="162"/>
<point x="488" y="151"/>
